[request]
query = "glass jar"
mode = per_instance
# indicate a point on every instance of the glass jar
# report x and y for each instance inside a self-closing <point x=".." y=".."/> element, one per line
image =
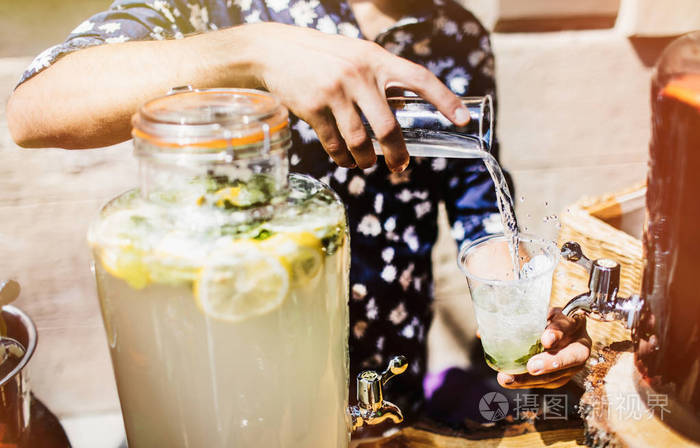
<point x="223" y="282"/>
<point x="667" y="340"/>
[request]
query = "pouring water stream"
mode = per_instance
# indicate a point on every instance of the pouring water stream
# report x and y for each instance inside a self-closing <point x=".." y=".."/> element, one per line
<point x="438" y="144"/>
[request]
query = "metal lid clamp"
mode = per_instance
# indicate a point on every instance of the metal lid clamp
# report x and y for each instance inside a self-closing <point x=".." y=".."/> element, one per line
<point x="180" y="89"/>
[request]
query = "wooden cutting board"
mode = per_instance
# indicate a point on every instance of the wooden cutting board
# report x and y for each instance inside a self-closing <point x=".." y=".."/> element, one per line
<point x="615" y="411"/>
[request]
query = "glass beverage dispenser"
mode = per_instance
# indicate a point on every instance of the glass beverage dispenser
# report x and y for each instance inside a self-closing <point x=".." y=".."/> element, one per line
<point x="223" y="284"/>
<point x="223" y="279"/>
<point x="667" y="342"/>
<point x="665" y="318"/>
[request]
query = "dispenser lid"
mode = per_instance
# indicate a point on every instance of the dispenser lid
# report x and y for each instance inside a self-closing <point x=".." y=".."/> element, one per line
<point x="211" y="119"/>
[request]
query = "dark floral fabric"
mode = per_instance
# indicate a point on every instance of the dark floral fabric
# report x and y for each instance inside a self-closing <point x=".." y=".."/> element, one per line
<point x="393" y="217"/>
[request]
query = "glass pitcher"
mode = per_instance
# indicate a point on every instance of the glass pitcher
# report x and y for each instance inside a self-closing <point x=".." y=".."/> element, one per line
<point x="223" y="285"/>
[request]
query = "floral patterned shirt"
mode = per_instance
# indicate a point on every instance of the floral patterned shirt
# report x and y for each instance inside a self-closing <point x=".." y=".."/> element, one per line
<point x="393" y="217"/>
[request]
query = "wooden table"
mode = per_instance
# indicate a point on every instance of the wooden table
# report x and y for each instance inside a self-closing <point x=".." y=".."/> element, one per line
<point x="422" y="437"/>
<point x="529" y="433"/>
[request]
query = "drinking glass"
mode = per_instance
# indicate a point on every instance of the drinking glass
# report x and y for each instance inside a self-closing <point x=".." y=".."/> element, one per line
<point x="428" y="133"/>
<point x="511" y="312"/>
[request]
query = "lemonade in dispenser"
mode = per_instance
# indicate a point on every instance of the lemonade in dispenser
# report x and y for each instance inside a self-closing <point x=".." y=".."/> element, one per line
<point x="223" y="283"/>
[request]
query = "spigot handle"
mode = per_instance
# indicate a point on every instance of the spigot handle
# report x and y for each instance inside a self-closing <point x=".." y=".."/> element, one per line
<point x="371" y="408"/>
<point x="604" y="273"/>
<point x="397" y="366"/>
<point x="601" y="302"/>
<point x="370" y="384"/>
<point x="571" y="251"/>
<point x="370" y="394"/>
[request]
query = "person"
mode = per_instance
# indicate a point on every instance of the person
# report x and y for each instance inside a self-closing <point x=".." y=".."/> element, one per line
<point x="330" y="62"/>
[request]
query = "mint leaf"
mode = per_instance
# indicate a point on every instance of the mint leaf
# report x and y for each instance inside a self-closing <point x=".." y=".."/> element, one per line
<point x="534" y="349"/>
<point x="490" y="359"/>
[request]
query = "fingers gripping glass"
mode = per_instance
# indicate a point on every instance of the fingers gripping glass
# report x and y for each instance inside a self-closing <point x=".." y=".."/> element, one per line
<point x="428" y="133"/>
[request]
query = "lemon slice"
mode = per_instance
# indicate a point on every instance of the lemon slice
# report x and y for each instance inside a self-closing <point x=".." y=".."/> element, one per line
<point x="326" y="224"/>
<point x="126" y="262"/>
<point x="227" y="197"/>
<point x="299" y="252"/>
<point x="170" y="272"/>
<point x="119" y="237"/>
<point x="241" y="281"/>
<point x="314" y="223"/>
<point x="176" y="259"/>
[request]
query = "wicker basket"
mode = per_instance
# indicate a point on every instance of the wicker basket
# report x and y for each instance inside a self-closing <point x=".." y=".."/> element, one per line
<point x="595" y="224"/>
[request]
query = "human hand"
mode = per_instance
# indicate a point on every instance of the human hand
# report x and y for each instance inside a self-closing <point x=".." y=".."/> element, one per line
<point x="329" y="80"/>
<point x="567" y="346"/>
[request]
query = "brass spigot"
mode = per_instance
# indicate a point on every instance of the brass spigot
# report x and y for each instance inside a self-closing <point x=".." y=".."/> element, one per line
<point x="371" y="409"/>
<point x="601" y="302"/>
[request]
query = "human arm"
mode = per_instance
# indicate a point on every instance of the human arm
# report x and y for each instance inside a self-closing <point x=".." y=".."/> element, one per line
<point x="86" y="98"/>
